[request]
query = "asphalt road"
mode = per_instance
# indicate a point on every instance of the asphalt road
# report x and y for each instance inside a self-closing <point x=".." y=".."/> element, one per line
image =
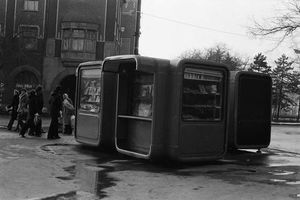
<point x="37" y="168"/>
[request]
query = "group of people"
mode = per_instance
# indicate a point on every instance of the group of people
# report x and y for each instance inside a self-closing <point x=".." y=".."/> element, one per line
<point x="27" y="107"/>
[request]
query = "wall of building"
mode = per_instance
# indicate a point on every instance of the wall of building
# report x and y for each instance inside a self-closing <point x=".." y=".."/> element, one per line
<point x="50" y="64"/>
<point x="128" y="23"/>
<point x="32" y="18"/>
<point x="2" y="15"/>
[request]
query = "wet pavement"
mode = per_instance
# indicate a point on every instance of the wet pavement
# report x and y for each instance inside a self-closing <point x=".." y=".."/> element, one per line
<point x="37" y="168"/>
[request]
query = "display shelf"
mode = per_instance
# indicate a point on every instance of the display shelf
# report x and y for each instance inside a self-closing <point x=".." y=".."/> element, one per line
<point x="135" y="117"/>
<point x="202" y="95"/>
<point x="201" y="106"/>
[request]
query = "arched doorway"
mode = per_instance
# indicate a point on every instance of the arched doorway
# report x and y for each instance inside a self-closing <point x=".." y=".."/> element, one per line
<point x="68" y="85"/>
<point x="26" y="79"/>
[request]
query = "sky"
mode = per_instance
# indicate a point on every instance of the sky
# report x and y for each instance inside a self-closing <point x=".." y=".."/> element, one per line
<point x="170" y="27"/>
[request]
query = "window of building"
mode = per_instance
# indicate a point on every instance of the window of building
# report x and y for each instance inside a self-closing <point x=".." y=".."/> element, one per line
<point x="31" y="5"/>
<point x="79" y="40"/>
<point x="29" y="37"/>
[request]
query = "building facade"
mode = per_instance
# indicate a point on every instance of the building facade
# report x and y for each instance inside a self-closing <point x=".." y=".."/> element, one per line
<point x="43" y="41"/>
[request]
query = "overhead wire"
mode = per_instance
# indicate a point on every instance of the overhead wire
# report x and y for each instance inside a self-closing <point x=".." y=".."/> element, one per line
<point x="205" y="28"/>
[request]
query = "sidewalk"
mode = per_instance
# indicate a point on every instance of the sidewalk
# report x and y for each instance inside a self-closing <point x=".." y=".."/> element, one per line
<point x="65" y="139"/>
<point x="4" y="119"/>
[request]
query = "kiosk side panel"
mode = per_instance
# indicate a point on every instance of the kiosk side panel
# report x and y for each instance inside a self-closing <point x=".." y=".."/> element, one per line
<point x="253" y="124"/>
<point x="88" y="105"/>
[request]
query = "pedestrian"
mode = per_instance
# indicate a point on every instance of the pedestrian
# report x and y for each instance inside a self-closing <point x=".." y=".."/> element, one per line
<point x="39" y="107"/>
<point x="22" y="108"/>
<point x="32" y="111"/>
<point x="67" y="112"/>
<point x="14" y="109"/>
<point x="55" y="112"/>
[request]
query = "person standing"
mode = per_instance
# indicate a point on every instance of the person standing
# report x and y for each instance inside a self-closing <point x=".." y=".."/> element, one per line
<point x="30" y="116"/>
<point x="68" y="111"/>
<point x="55" y="112"/>
<point x="22" y="108"/>
<point x="39" y="106"/>
<point x="14" y="109"/>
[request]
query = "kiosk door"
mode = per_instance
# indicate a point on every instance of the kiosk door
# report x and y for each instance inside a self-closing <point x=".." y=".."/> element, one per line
<point x="203" y="127"/>
<point x="88" y="120"/>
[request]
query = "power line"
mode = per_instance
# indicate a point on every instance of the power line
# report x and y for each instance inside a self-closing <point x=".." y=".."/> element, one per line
<point x="202" y="27"/>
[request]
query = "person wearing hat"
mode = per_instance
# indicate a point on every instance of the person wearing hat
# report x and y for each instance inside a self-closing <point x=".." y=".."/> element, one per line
<point x="14" y="107"/>
<point x="55" y="112"/>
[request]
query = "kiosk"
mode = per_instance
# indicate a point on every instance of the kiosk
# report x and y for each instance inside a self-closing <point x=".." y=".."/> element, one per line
<point x="170" y="109"/>
<point x="249" y="124"/>
<point x="95" y="105"/>
<point x="141" y="107"/>
<point x="197" y="111"/>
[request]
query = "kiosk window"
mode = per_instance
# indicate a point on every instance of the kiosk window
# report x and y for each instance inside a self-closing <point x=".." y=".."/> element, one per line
<point x="202" y="95"/>
<point x="142" y="95"/>
<point x="90" y="90"/>
<point x="136" y="94"/>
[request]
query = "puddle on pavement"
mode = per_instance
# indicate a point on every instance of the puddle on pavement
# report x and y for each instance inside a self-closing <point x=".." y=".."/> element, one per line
<point x="278" y="180"/>
<point x="295" y="196"/>
<point x="293" y="182"/>
<point x="91" y="177"/>
<point x="287" y="182"/>
<point x="282" y="173"/>
<point x="268" y="158"/>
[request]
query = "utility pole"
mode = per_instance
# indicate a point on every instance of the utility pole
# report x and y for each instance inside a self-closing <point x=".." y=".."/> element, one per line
<point x="137" y="28"/>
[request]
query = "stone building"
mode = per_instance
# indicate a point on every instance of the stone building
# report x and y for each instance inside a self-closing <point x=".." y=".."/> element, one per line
<point x="43" y="41"/>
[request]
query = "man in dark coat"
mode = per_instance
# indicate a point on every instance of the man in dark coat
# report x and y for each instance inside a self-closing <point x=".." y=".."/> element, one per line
<point x="39" y="107"/>
<point x="55" y="112"/>
<point x="14" y="107"/>
<point x="31" y="113"/>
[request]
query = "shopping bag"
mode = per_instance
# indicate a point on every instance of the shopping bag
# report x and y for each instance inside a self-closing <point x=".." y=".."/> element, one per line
<point x="72" y="121"/>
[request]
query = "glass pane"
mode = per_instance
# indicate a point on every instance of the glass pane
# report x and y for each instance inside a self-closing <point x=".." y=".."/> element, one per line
<point x="31" y="5"/>
<point x="65" y="44"/>
<point x="77" y="44"/>
<point x="202" y="95"/>
<point x="30" y="43"/>
<point x="91" y="35"/>
<point x="67" y="33"/>
<point x="142" y="94"/>
<point x="78" y="33"/>
<point x="90" y="46"/>
<point x="90" y="90"/>
<point x="27" y="31"/>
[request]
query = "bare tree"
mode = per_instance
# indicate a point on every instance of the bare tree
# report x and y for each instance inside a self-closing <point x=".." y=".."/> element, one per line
<point x="285" y="24"/>
<point x="220" y="54"/>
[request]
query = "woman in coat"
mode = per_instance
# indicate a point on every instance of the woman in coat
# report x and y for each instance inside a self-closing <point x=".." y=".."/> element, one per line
<point x="30" y="116"/>
<point x="68" y="111"/>
<point x="22" y="108"/>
